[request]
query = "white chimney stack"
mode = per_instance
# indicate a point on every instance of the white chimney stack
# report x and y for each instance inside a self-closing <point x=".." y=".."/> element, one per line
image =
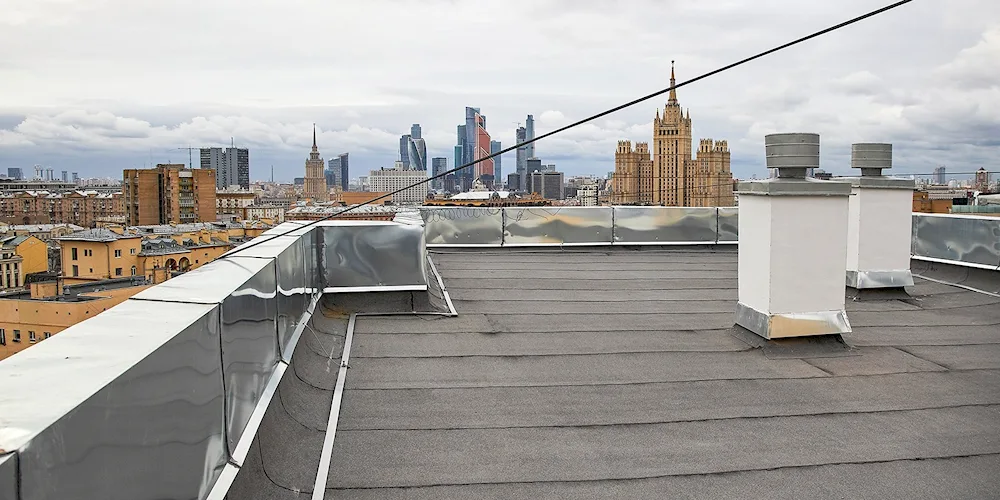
<point x="793" y="245"/>
<point x="878" y="234"/>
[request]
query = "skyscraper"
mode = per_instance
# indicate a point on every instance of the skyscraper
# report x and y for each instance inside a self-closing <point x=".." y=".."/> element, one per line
<point x="438" y="165"/>
<point x="521" y="160"/>
<point x="460" y="154"/>
<point x="474" y="141"/>
<point x="404" y="150"/>
<point x="496" y="147"/>
<point x="231" y="165"/>
<point x="417" y="154"/>
<point x="338" y="172"/>
<point x="415" y="131"/>
<point x="529" y="134"/>
<point x="315" y="181"/>
<point x="15" y="173"/>
<point x="939" y="176"/>
<point x="667" y="174"/>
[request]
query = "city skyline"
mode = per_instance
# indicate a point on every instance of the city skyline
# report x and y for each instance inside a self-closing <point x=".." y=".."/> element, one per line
<point x="106" y="120"/>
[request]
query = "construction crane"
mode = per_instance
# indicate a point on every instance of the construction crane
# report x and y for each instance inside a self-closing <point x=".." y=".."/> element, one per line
<point x="189" y="150"/>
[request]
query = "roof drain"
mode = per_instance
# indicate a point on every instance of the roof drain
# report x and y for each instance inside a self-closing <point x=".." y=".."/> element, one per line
<point x="793" y="245"/>
<point x="879" y="224"/>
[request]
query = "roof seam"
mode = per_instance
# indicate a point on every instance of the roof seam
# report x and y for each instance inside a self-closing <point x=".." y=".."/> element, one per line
<point x="453" y="356"/>
<point x="649" y="382"/>
<point x="681" y="421"/>
<point x="659" y="476"/>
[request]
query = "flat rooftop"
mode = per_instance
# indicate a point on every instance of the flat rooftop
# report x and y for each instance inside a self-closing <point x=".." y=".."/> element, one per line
<point x="615" y="373"/>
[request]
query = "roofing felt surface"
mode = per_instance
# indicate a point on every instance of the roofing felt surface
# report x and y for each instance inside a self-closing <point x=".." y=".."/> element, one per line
<point x="596" y="374"/>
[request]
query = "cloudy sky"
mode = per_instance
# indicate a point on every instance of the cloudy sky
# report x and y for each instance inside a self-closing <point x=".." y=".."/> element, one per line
<point x="96" y="86"/>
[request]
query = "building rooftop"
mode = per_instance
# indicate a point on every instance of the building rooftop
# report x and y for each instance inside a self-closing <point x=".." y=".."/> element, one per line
<point x="605" y="371"/>
<point x="40" y="228"/>
<point x="98" y="234"/>
<point x="162" y="246"/>
<point x="13" y="241"/>
<point x="618" y="374"/>
<point x="72" y="293"/>
<point x="480" y="195"/>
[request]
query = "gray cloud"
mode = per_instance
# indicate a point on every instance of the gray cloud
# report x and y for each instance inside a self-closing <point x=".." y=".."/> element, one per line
<point x="96" y="86"/>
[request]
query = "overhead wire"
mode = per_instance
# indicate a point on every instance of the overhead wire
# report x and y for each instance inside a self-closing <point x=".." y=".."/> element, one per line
<point x="585" y="120"/>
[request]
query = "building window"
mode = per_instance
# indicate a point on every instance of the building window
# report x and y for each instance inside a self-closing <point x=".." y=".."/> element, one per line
<point x="17" y="335"/>
<point x="118" y="271"/>
<point x="131" y="251"/>
<point x="76" y="269"/>
<point x="31" y="337"/>
<point x="118" y="253"/>
<point x="47" y="334"/>
<point x="72" y="252"/>
<point x="3" y="337"/>
<point x="133" y="270"/>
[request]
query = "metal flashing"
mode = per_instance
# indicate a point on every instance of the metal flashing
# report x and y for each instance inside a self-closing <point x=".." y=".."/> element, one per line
<point x="784" y="325"/>
<point x="879" y="279"/>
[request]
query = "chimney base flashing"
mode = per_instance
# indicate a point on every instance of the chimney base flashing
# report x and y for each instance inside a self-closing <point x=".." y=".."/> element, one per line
<point x="787" y="325"/>
<point x="879" y="182"/>
<point x="793" y="187"/>
<point x="879" y="279"/>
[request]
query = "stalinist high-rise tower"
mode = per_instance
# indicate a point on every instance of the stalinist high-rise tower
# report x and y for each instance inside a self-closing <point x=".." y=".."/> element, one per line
<point x="315" y="181"/>
<point x="666" y="174"/>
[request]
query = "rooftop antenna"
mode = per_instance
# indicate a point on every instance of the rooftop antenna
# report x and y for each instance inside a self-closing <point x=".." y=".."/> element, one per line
<point x="272" y="174"/>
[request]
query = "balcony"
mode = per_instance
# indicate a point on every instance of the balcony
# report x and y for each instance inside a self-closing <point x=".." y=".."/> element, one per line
<point x="530" y="352"/>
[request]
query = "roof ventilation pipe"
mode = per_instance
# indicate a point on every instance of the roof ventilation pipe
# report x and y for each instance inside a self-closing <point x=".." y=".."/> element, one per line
<point x="880" y="221"/>
<point x="793" y="245"/>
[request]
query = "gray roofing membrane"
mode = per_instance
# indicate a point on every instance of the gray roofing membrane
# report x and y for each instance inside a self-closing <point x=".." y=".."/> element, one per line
<point x="597" y="374"/>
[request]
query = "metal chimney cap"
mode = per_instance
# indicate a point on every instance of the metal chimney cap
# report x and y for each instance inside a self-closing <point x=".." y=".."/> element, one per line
<point x="792" y="154"/>
<point x="871" y="157"/>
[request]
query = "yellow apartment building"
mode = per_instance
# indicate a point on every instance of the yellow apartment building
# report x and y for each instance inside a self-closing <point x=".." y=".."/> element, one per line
<point x="33" y="315"/>
<point x="19" y="257"/>
<point x="100" y="253"/>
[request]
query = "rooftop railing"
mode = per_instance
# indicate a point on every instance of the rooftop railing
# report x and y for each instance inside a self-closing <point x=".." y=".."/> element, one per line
<point x="160" y="396"/>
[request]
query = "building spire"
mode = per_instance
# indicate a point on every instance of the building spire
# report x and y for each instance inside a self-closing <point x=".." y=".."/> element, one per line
<point x="673" y="92"/>
<point x="314" y="137"/>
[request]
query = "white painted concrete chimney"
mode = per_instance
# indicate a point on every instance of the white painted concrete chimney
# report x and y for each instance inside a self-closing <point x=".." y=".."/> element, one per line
<point x="793" y="245"/>
<point x="880" y="220"/>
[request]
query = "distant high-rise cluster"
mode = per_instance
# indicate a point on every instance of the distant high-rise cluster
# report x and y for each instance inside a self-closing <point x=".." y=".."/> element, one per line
<point x="413" y="149"/>
<point x="668" y="175"/>
<point x="231" y="165"/>
<point x="473" y="144"/>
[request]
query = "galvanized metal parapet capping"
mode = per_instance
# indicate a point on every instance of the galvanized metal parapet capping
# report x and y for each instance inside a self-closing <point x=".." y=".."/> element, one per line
<point x="160" y="396"/>
<point x="480" y="227"/>
<point x="962" y="240"/>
